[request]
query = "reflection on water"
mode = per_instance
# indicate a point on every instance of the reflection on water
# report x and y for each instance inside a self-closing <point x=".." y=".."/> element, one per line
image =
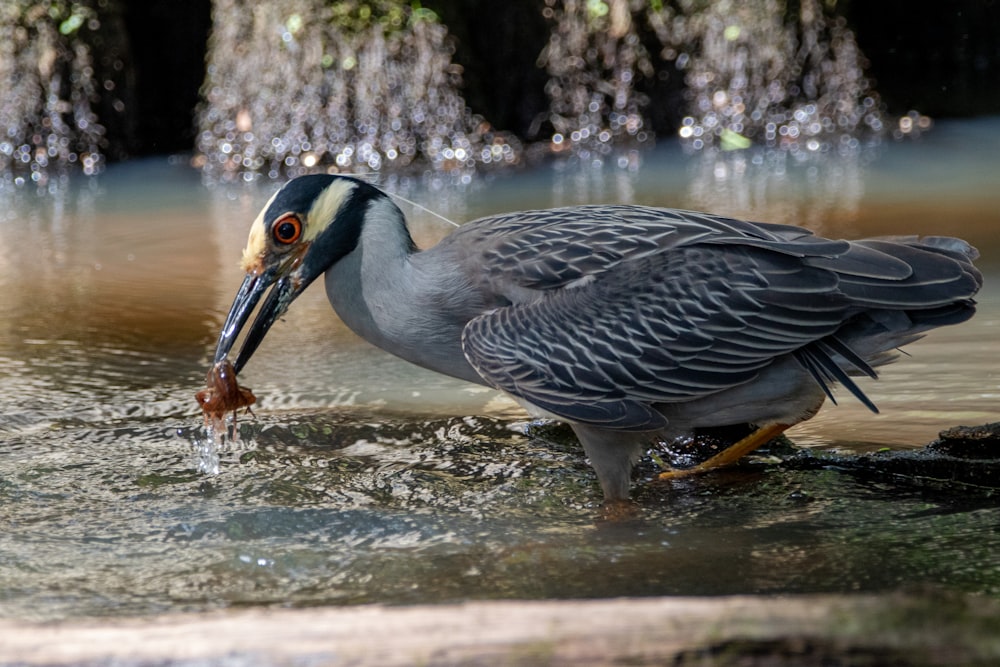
<point x="364" y="479"/>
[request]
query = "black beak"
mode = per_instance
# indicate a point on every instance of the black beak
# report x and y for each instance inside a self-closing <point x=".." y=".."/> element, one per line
<point x="250" y="293"/>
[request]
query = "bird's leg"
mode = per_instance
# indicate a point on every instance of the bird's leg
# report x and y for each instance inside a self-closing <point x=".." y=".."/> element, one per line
<point x="731" y="454"/>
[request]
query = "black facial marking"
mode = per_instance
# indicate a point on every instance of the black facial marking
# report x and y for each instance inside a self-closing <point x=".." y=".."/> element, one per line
<point x="341" y="238"/>
<point x="298" y="195"/>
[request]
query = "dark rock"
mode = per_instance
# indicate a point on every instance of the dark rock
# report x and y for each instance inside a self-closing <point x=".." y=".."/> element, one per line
<point x="970" y="442"/>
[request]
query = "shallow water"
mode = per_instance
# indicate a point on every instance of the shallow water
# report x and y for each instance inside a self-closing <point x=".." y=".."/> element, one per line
<point x="363" y="479"/>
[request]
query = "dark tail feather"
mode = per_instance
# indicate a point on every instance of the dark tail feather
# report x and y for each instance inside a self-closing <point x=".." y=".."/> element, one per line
<point x="900" y="287"/>
<point x="953" y="313"/>
<point x="940" y="273"/>
<point x="833" y="345"/>
<point x="826" y="371"/>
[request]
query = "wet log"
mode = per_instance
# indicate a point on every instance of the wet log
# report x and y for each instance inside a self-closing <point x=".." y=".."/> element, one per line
<point x="962" y="460"/>
<point x="801" y="631"/>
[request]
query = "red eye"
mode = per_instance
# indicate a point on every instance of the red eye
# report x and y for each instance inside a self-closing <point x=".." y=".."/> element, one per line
<point x="287" y="229"/>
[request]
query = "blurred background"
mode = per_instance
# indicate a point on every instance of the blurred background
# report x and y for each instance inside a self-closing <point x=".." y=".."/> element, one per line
<point x="283" y="85"/>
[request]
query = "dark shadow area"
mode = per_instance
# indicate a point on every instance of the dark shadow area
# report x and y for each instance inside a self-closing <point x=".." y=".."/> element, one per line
<point x="940" y="58"/>
<point x="169" y="40"/>
<point x="498" y="44"/>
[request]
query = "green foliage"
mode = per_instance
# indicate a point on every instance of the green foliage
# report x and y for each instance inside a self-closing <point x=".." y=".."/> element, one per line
<point x="358" y="16"/>
<point x="597" y="9"/>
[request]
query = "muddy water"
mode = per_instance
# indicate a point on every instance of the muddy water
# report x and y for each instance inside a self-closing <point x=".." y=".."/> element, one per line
<point x="363" y="479"/>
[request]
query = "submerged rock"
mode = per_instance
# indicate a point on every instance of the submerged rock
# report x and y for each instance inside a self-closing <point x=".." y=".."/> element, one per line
<point x="970" y="442"/>
<point x="964" y="461"/>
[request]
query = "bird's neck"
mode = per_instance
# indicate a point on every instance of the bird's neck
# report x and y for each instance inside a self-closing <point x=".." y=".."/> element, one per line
<point x="387" y="293"/>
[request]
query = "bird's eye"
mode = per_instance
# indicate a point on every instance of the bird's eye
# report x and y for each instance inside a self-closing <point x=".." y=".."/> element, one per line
<point x="287" y="230"/>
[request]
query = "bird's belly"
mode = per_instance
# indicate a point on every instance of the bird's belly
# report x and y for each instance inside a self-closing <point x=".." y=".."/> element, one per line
<point x="783" y="393"/>
<point x="533" y="410"/>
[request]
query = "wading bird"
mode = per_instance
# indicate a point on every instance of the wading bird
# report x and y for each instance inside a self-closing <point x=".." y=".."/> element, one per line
<point x="629" y="323"/>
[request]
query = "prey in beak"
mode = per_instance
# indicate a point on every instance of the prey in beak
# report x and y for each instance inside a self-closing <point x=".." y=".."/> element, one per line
<point x="298" y="235"/>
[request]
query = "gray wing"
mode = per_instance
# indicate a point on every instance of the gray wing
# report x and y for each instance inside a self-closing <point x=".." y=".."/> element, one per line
<point x="660" y="329"/>
<point x="715" y="302"/>
<point x="548" y="249"/>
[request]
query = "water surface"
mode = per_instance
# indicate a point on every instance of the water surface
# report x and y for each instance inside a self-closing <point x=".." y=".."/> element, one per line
<point x="364" y="479"/>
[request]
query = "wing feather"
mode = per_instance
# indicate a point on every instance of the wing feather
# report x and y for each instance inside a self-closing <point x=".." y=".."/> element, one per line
<point x="637" y="334"/>
<point x="614" y="309"/>
<point x="547" y="249"/>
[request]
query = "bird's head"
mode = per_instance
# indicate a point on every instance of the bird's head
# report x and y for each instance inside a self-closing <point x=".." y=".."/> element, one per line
<point x="306" y="227"/>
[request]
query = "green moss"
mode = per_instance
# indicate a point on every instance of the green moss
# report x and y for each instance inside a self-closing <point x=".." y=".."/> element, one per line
<point x="358" y="16"/>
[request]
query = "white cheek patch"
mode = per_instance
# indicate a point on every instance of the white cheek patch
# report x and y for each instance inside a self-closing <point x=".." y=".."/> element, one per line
<point x="325" y="208"/>
<point x="256" y="245"/>
<point x="256" y="248"/>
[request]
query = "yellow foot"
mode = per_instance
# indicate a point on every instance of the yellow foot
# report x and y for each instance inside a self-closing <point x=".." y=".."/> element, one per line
<point x="731" y="454"/>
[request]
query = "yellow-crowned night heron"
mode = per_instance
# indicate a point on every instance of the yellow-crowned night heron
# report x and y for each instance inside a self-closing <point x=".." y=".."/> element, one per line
<point x="627" y="322"/>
